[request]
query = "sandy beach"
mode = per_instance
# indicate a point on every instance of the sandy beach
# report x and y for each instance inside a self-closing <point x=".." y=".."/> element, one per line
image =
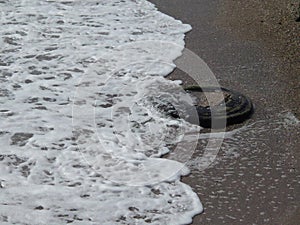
<point x="251" y="47"/>
<point x="92" y="132"/>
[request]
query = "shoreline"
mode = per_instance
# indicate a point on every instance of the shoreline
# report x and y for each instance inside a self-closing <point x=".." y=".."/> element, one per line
<point x="260" y="183"/>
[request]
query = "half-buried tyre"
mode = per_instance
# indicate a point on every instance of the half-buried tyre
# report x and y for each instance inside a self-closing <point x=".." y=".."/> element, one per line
<point x="233" y="109"/>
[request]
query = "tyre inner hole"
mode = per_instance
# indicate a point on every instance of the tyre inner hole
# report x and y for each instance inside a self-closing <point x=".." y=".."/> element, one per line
<point x="215" y="98"/>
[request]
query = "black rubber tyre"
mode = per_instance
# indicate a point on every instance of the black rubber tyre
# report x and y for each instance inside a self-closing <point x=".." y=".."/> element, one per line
<point x="238" y="108"/>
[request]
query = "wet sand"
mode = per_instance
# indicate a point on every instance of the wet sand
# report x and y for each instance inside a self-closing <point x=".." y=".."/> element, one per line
<point x="256" y="178"/>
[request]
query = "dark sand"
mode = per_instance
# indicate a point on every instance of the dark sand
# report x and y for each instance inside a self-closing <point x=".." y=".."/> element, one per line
<point x="252" y="47"/>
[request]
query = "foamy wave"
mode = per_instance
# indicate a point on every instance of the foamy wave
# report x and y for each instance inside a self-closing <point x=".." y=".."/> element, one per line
<point x="80" y="139"/>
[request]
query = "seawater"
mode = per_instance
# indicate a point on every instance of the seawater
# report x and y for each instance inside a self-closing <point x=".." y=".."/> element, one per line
<point x="80" y="140"/>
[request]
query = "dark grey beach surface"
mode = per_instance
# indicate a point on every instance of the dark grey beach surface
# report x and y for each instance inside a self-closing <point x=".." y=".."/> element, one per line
<point x="252" y="47"/>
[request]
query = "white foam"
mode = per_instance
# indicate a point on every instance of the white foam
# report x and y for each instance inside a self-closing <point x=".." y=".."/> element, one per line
<point x="80" y="140"/>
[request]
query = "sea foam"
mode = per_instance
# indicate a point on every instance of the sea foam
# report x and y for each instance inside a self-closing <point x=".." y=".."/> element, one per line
<point x="80" y="139"/>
